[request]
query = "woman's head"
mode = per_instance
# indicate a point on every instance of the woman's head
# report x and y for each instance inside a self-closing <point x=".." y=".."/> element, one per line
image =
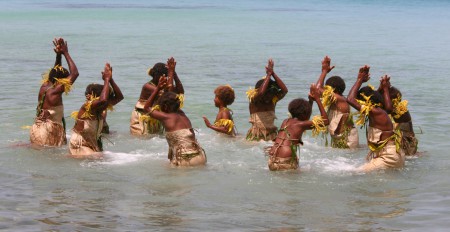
<point x="158" y="70"/>
<point x="169" y="102"/>
<point x="337" y="83"/>
<point x="375" y="96"/>
<point x="300" y="108"/>
<point x="93" y="89"/>
<point x="225" y="94"/>
<point x="393" y="92"/>
<point x="272" y="89"/>
<point x="57" y="72"/>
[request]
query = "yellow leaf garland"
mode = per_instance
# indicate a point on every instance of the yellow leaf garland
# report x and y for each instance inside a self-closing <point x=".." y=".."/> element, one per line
<point x="318" y="125"/>
<point x="229" y="124"/>
<point x="328" y="97"/>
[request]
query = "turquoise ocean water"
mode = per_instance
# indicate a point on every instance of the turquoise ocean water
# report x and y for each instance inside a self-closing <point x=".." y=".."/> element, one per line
<point x="223" y="42"/>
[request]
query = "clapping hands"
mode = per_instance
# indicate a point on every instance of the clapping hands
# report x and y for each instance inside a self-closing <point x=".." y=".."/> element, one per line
<point x="60" y="46"/>
<point x="269" y="67"/>
<point x="107" y="72"/>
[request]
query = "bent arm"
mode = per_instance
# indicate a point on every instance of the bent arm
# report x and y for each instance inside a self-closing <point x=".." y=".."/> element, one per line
<point x="102" y="103"/>
<point x="178" y="85"/>
<point x="118" y="96"/>
<point x="351" y="99"/>
<point x="280" y="83"/>
<point x="58" y="59"/>
<point x="72" y="67"/>
<point x="323" y="113"/>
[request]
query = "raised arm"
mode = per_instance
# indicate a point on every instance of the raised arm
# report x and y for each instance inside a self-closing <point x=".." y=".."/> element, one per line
<point x="150" y="101"/>
<point x="326" y="68"/>
<point x="385" y="85"/>
<point x="280" y="83"/>
<point x="269" y="71"/>
<point x="314" y="92"/>
<point x="118" y="96"/>
<point x="57" y="51"/>
<point x="62" y="48"/>
<point x="178" y="85"/>
<point x="363" y="76"/>
<point x="102" y="103"/>
<point x="171" y="63"/>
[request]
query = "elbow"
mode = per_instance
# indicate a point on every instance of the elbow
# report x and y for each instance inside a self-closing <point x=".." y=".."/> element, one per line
<point x="75" y="74"/>
<point x="351" y="101"/>
<point x="120" y="98"/>
<point x="103" y="101"/>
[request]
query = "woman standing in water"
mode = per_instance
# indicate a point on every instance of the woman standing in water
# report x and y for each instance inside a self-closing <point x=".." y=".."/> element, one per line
<point x="49" y="125"/>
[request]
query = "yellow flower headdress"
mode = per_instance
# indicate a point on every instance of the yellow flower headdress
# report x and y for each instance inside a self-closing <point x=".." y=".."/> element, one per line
<point x="366" y="106"/>
<point x="63" y="81"/>
<point x="399" y="107"/>
<point x="328" y="97"/>
<point x="251" y="93"/>
<point x="87" y="106"/>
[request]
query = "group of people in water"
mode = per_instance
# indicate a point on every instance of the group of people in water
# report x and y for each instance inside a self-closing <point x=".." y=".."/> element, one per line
<point x="383" y="113"/>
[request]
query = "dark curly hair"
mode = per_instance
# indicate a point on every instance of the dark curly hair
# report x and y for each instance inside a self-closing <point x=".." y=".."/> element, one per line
<point x="272" y="88"/>
<point x="300" y="108"/>
<point x="375" y="96"/>
<point x="57" y="72"/>
<point x="95" y="89"/>
<point x="169" y="102"/>
<point x="393" y="92"/>
<point x="157" y="71"/>
<point x="225" y="93"/>
<point x="337" y="83"/>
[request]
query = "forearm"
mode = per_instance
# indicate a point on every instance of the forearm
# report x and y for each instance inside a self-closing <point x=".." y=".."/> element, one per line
<point x="105" y="91"/>
<point x="351" y="99"/>
<point x="387" y="100"/>
<point x="323" y="113"/>
<point x="58" y="59"/>
<point x="321" y="80"/>
<point x="170" y="74"/>
<point x="220" y="129"/>
<point x="263" y="88"/>
<point x="118" y="96"/>
<point x="151" y="100"/>
<point x="280" y="83"/>
<point x="72" y="67"/>
<point x="179" y="85"/>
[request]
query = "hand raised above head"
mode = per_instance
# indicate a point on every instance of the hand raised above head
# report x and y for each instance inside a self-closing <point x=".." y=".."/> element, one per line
<point x="171" y="63"/>
<point x="62" y="45"/>
<point x="269" y="67"/>
<point x="326" y="65"/>
<point x="57" y="47"/>
<point x="364" y="74"/>
<point x="107" y="72"/>
<point x="385" y="81"/>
